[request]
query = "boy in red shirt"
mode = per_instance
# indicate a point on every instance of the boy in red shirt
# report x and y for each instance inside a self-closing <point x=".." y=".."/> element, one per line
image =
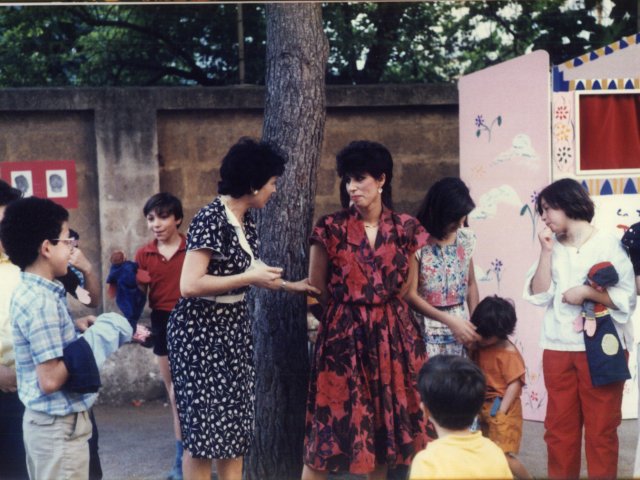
<point x="162" y="258"/>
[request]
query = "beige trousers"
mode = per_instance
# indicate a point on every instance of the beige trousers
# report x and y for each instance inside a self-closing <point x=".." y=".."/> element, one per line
<point x="57" y="447"/>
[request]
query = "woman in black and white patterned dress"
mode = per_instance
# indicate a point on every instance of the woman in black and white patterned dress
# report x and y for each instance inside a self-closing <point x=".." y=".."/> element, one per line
<point x="209" y="334"/>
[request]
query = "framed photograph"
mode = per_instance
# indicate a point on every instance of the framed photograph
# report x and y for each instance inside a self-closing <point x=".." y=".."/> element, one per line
<point x="23" y="181"/>
<point x="54" y="179"/>
<point x="57" y="184"/>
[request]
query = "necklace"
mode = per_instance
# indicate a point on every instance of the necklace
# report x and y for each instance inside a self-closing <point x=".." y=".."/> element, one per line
<point x="371" y="226"/>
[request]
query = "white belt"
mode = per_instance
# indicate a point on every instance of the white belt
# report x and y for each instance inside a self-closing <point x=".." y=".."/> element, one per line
<point x="225" y="298"/>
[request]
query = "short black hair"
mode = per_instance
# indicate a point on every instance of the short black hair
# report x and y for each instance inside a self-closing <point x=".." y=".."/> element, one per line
<point x="164" y="203"/>
<point x="494" y="317"/>
<point x="363" y="157"/>
<point x="26" y="224"/>
<point x="452" y="388"/>
<point x="569" y="196"/>
<point x="248" y="166"/>
<point x="8" y="194"/>
<point x="446" y="202"/>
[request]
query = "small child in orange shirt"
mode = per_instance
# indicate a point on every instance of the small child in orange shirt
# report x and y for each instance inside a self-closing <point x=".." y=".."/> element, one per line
<point x="503" y="367"/>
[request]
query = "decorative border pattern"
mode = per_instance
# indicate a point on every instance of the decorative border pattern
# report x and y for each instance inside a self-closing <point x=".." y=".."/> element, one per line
<point x="560" y="85"/>
<point x="601" y="52"/>
<point x="612" y="185"/>
<point x="605" y="84"/>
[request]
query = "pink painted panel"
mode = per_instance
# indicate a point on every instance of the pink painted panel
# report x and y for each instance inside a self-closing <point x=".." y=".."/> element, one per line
<point x="505" y="159"/>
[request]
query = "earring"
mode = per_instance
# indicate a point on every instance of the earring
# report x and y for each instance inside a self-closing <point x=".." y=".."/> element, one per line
<point x="255" y="192"/>
<point x="380" y="190"/>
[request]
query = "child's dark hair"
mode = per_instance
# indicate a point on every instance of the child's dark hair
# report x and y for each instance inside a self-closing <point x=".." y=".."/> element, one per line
<point x="26" y="224"/>
<point x="362" y="157"/>
<point x="452" y="388"/>
<point x="446" y="202"/>
<point x="494" y="317"/>
<point x="248" y="166"/>
<point x="8" y="194"/>
<point x="164" y="204"/>
<point x="569" y="196"/>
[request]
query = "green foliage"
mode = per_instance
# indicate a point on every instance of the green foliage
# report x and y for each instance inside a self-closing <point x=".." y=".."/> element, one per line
<point x="98" y="45"/>
<point x="187" y="44"/>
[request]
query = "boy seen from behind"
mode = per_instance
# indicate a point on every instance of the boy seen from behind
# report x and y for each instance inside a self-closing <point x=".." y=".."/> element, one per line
<point x="452" y="391"/>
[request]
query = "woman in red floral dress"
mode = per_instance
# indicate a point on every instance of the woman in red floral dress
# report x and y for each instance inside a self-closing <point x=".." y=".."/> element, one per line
<point x="363" y="410"/>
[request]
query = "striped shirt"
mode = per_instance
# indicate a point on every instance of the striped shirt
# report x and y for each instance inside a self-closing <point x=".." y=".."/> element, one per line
<point x="42" y="327"/>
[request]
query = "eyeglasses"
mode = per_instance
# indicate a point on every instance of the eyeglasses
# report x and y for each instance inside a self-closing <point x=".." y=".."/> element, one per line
<point x="70" y="242"/>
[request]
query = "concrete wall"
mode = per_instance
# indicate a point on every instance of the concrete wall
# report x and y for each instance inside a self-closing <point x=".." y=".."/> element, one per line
<point x="131" y="143"/>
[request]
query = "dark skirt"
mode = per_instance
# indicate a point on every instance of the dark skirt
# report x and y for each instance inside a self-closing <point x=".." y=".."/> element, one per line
<point x="211" y="359"/>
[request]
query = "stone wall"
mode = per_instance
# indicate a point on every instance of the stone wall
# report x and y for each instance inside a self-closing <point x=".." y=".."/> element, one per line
<point x="131" y="143"/>
<point x="419" y="125"/>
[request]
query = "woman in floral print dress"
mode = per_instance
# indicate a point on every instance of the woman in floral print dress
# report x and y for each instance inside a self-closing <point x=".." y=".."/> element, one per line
<point x="209" y="332"/>
<point x="363" y="410"/>
<point x="443" y="290"/>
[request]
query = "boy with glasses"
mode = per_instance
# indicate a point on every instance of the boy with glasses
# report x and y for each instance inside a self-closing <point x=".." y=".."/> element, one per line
<point x="56" y="425"/>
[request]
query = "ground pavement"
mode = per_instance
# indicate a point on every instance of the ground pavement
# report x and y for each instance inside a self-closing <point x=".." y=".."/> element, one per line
<point x="136" y="442"/>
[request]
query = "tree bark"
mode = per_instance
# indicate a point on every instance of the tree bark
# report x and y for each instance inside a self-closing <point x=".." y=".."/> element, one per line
<point x="297" y="51"/>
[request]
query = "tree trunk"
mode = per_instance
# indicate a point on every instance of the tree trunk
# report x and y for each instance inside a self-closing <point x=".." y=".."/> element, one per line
<point x="297" y="51"/>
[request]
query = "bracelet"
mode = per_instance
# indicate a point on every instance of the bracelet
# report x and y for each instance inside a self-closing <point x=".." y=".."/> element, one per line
<point x="283" y="284"/>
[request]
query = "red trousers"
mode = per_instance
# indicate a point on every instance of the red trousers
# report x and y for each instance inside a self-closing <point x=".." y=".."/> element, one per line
<point x="573" y="402"/>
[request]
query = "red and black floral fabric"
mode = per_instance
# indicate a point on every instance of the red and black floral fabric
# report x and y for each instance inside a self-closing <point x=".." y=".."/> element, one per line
<point x="363" y="407"/>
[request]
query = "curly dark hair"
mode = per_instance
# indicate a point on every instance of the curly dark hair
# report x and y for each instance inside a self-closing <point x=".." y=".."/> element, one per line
<point x="26" y="224"/>
<point x="248" y="166"/>
<point x="452" y="388"/>
<point x="362" y="157"/>
<point x="446" y="202"/>
<point x="494" y="317"/>
<point x="569" y="196"/>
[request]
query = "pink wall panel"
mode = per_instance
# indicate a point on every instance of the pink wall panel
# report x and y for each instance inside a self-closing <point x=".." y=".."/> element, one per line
<point x="505" y="159"/>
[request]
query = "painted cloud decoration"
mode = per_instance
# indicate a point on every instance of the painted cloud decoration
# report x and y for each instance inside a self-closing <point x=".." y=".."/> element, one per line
<point x="521" y="151"/>
<point x="487" y="206"/>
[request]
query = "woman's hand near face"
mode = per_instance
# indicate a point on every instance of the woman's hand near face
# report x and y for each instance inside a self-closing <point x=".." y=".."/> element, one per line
<point x="546" y="239"/>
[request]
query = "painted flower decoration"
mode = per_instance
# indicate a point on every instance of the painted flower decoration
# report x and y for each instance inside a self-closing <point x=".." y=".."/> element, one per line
<point x="563" y="132"/>
<point x="497" y="265"/>
<point x="562" y="112"/>
<point x="564" y="154"/>
<point x="482" y="127"/>
<point x="534" y="197"/>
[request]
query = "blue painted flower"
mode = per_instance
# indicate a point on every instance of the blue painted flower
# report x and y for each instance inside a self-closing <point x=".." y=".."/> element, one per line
<point x="534" y="197"/>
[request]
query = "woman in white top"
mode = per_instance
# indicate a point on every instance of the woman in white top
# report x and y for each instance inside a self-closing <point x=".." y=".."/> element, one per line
<point x="570" y="246"/>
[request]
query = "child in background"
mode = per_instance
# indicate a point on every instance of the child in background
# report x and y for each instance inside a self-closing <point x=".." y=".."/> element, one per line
<point x="162" y="258"/>
<point x="504" y="371"/>
<point x="452" y="391"/>
<point x="12" y="455"/>
<point x="444" y="291"/>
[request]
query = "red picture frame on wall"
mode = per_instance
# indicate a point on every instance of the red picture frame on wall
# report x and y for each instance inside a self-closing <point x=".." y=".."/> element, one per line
<point x="53" y="179"/>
